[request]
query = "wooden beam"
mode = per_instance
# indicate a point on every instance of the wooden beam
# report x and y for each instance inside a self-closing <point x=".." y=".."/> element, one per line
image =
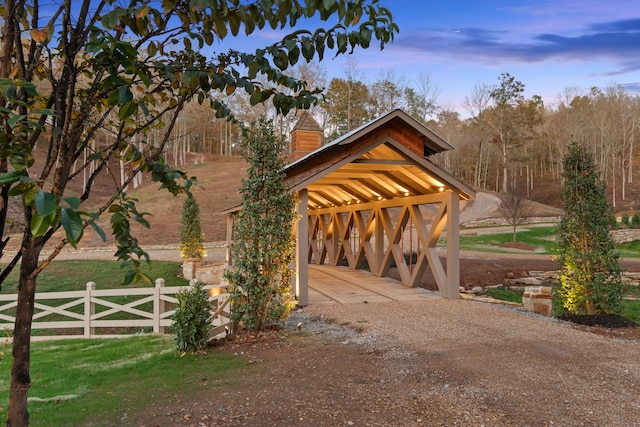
<point x="302" y="250"/>
<point x="453" y="247"/>
<point x="424" y="199"/>
<point x="228" y="255"/>
<point x="369" y="163"/>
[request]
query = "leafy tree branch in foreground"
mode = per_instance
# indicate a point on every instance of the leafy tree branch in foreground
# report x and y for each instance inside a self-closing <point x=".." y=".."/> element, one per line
<point x="71" y="71"/>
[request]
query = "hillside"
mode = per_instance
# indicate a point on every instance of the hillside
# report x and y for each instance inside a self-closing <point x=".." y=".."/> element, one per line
<point x="221" y="177"/>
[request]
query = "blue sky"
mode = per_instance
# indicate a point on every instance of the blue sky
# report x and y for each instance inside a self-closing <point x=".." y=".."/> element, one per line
<point x="547" y="45"/>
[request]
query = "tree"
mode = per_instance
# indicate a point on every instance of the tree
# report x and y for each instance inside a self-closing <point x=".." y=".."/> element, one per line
<point x="264" y="246"/>
<point x="590" y="279"/>
<point x="347" y="102"/>
<point x="386" y="93"/>
<point x="506" y="97"/>
<point x="421" y="98"/>
<point x="191" y="233"/>
<point x="74" y="70"/>
<point x="476" y="104"/>
<point x="515" y="210"/>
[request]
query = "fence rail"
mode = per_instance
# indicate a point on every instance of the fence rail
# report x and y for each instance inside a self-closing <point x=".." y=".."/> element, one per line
<point x="95" y="312"/>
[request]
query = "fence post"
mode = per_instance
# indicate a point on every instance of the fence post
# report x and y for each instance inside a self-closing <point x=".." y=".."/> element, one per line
<point x="158" y="307"/>
<point x="89" y="310"/>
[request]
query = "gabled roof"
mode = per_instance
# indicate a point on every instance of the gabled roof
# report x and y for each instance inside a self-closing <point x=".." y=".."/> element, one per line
<point x="381" y="160"/>
<point x="306" y="122"/>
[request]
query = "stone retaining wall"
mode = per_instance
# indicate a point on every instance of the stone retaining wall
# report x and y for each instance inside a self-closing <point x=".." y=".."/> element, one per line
<point x="626" y="235"/>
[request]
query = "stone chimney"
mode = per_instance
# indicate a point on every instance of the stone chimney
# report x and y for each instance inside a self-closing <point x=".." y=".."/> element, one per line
<point x="306" y="136"/>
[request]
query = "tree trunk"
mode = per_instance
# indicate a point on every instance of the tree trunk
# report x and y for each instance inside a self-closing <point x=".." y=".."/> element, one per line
<point x="18" y="414"/>
<point x="591" y="309"/>
<point x="504" y="168"/>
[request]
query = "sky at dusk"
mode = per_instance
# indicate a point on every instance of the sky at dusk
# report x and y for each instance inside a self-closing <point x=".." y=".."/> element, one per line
<point x="547" y="45"/>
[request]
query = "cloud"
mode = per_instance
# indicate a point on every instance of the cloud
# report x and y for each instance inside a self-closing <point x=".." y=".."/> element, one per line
<point x="615" y="41"/>
<point x="632" y="87"/>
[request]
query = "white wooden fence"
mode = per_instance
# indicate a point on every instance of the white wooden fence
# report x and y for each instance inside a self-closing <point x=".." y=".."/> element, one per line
<point x="85" y="313"/>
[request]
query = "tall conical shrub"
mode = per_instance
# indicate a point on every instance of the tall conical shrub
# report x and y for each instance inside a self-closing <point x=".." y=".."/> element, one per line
<point x="191" y="245"/>
<point x="264" y="245"/>
<point x="590" y="276"/>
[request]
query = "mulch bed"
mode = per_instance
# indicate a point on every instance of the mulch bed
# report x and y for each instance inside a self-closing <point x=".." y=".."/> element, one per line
<point x="610" y="321"/>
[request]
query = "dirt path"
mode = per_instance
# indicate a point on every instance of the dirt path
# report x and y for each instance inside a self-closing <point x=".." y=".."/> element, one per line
<point x="431" y="363"/>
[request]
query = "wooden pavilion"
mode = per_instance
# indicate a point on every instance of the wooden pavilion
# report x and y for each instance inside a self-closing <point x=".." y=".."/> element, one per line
<point x="360" y="199"/>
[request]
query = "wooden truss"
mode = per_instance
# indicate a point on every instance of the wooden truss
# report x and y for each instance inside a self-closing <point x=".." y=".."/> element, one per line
<point x="378" y="235"/>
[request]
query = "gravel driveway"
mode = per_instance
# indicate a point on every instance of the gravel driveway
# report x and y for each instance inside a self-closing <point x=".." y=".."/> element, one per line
<point x="488" y="365"/>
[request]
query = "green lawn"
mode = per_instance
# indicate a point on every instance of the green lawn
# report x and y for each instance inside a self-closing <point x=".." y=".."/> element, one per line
<point x="542" y="238"/>
<point x="99" y="380"/>
<point x="73" y="275"/>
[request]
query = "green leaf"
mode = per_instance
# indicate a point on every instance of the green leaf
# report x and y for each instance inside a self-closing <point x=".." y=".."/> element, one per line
<point x="234" y="24"/>
<point x="281" y="60"/>
<point x="124" y="95"/>
<point x="39" y="224"/>
<point x="74" y="202"/>
<point x="11" y="177"/>
<point x="256" y="97"/>
<point x="342" y="42"/>
<point x="307" y="49"/>
<point x="152" y="49"/>
<point x="72" y="224"/>
<point x="98" y="230"/>
<point x="127" y="110"/>
<point x="13" y="120"/>
<point x="29" y="192"/>
<point x="112" y="18"/>
<point x="45" y="203"/>
<point x="294" y="54"/>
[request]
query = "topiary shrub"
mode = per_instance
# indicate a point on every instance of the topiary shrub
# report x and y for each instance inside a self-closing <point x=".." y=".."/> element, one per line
<point x="191" y="245"/>
<point x="635" y="220"/>
<point x="192" y="319"/>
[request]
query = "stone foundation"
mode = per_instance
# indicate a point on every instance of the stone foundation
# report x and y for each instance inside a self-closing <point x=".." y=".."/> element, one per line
<point x="189" y="268"/>
<point x="211" y="274"/>
<point x="538" y="299"/>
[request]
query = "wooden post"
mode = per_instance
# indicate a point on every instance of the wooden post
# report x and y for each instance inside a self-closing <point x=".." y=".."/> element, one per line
<point x="302" y="249"/>
<point x="378" y="251"/>
<point x="453" y="246"/>
<point x="158" y="307"/>
<point x="89" y="310"/>
<point x="229" y="258"/>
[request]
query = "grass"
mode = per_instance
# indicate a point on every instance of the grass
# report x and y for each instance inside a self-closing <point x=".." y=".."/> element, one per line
<point x="100" y="380"/>
<point x="504" y="294"/>
<point x="542" y="238"/>
<point x="631" y="310"/>
<point x="73" y="275"/>
<point x="630" y="250"/>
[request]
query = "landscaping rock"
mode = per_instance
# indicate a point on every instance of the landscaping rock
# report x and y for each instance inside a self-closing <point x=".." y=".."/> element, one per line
<point x="538" y="299"/>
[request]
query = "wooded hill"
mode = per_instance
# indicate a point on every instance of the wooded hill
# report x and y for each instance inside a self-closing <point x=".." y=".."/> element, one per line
<point x="504" y="141"/>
